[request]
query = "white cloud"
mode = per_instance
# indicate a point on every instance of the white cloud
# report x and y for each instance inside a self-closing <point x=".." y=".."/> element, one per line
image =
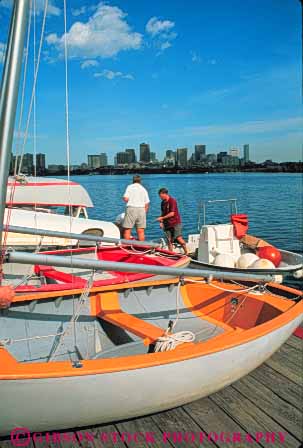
<point x="89" y="63"/>
<point x="195" y="57"/>
<point x="52" y="9"/>
<point x="161" y="32"/>
<point x="165" y="45"/>
<point x="247" y="127"/>
<point x="83" y="10"/>
<point x="104" y="35"/>
<point x="109" y="74"/>
<point x="156" y="26"/>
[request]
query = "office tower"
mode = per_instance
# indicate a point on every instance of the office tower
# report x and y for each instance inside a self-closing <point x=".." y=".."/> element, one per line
<point x="182" y="157"/>
<point x="103" y="159"/>
<point x="234" y="152"/>
<point x="246" y="153"/>
<point x="211" y="158"/>
<point x="170" y="157"/>
<point x="200" y="152"/>
<point x="131" y="155"/>
<point x="12" y="164"/>
<point x="27" y="164"/>
<point x="122" y="158"/>
<point x="220" y="156"/>
<point x="93" y="161"/>
<point x="144" y="153"/>
<point x="153" y="157"/>
<point x="40" y="163"/>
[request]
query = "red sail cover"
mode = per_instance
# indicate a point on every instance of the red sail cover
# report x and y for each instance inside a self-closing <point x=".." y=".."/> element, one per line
<point x="240" y="223"/>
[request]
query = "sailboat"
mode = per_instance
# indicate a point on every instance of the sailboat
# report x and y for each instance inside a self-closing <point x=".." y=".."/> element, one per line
<point x="103" y="353"/>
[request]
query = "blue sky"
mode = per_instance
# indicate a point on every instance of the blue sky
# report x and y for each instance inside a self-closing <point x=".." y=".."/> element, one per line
<point x="173" y="74"/>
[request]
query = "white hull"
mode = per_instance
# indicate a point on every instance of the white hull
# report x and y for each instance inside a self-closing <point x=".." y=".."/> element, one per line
<point x="41" y="404"/>
<point x="54" y="222"/>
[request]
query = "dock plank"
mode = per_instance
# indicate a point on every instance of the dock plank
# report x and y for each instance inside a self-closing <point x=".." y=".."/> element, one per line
<point x="295" y="342"/>
<point x="8" y="443"/>
<point x="180" y="429"/>
<point x="151" y="434"/>
<point x="279" y="362"/>
<point x="100" y="436"/>
<point x="289" y="417"/>
<point x="294" y="355"/>
<point x="280" y="385"/>
<point x="215" y="422"/>
<point x="252" y="419"/>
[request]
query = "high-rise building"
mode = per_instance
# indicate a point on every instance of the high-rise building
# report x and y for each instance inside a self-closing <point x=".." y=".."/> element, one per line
<point x="234" y="152"/>
<point x="131" y="155"/>
<point x="153" y="157"/>
<point x="144" y="153"/>
<point x="93" y="161"/>
<point x="170" y="158"/>
<point x="40" y="163"/>
<point x="27" y="164"/>
<point x="211" y="158"/>
<point x="12" y="164"/>
<point x="103" y="159"/>
<point x="220" y="156"/>
<point x="200" y="152"/>
<point x="182" y="157"/>
<point x="246" y="153"/>
<point x="122" y="158"/>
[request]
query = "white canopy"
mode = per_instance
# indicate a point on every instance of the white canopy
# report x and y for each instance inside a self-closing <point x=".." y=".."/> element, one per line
<point x="48" y="192"/>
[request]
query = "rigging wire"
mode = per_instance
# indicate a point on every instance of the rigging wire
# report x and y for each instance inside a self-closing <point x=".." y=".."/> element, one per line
<point x="34" y="85"/>
<point x="23" y="90"/>
<point x="68" y="157"/>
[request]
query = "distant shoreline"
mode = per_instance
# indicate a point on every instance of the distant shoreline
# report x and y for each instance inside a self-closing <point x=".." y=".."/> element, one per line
<point x="298" y="168"/>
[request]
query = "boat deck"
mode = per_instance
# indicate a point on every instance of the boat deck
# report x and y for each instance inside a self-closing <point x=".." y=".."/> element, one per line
<point x="267" y="405"/>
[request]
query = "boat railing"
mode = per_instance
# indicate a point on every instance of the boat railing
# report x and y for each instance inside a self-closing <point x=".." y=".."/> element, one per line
<point x="203" y="205"/>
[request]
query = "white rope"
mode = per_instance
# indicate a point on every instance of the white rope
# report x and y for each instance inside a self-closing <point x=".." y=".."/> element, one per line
<point x="9" y="341"/>
<point x="35" y="119"/>
<point x="170" y="341"/>
<point x="67" y="109"/>
<point x="23" y="90"/>
<point x="223" y="289"/>
<point x="34" y="86"/>
<point x="76" y="314"/>
<point x="134" y="251"/>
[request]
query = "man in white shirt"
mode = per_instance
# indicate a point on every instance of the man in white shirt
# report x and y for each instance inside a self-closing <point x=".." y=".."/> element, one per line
<point x="137" y="204"/>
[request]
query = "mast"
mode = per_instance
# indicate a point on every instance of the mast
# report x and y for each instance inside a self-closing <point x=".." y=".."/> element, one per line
<point x="9" y="94"/>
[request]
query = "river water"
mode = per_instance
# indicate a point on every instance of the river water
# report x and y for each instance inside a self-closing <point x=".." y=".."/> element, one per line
<point x="273" y="202"/>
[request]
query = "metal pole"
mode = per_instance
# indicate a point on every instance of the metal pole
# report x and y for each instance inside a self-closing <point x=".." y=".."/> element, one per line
<point x="81" y="237"/>
<point x="74" y="262"/>
<point x="9" y="94"/>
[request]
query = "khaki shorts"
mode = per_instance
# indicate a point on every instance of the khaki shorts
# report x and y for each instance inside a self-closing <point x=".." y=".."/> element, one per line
<point x="135" y="216"/>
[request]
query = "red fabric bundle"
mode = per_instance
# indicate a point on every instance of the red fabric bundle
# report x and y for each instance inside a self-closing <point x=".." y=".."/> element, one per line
<point x="240" y="223"/>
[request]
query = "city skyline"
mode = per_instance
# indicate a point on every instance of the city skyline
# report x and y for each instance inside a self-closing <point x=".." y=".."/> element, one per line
<point x="232" y="159"/>
<point x="171" y="74"/>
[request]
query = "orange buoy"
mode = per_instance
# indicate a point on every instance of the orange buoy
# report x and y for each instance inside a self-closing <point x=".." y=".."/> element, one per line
<point x="270" y="253"/>
<point x="6" y="296"/>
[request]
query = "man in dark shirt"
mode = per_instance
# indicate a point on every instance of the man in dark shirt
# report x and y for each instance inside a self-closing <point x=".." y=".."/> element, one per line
<point x="170" y="220"/>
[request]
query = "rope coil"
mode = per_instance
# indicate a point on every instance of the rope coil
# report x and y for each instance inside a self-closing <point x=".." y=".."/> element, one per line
<point x="171" y="341"/>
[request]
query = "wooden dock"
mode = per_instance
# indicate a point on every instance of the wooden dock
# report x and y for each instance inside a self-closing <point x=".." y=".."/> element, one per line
<point x="262" y="409"/>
